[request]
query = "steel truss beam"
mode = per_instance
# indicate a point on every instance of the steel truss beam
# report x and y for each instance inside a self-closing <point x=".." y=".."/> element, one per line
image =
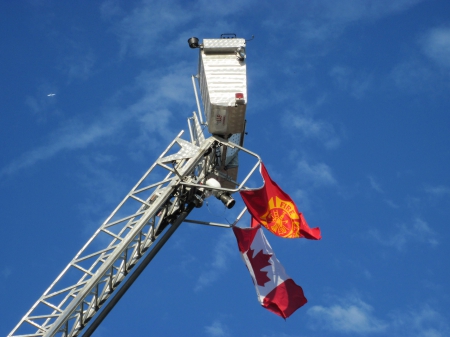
<point x="89" y="286"/>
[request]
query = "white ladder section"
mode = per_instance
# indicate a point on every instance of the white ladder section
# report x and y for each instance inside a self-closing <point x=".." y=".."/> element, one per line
<point x="94" y="281"/>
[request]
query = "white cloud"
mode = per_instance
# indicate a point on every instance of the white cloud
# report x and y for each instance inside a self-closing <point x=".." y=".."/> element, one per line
<point x="98" y="177"/>
<point x="425" y="322"/>
<point x="328" y="18"/>
<point x="78" y="59"/>
<point x="223" y="7"/>
<point x="318" y="174"/>
<point x="222" y="252"/>
<point x="356" y="84"/>
<point x="351" y="315"/>
<point x="216" y="329"/>
<point x="391" y="204"/>
<point x="159" y="28"/>
<point x="41" y="106"/>
<point x="302" y="200"/>
<point x="413" y="76"/>
<point x="142" y="30"/>
<point x="436" y="45"/>
<point x="155" y="92"/>
<point x="73" y="135"/>
<point x="418" y="231"/>
<point x="110" y="9"/>
<point x="375" y="185"/>
<point x="313" y="129"/>
<point x="80" y="66"/>
<point x="437" y="191"/>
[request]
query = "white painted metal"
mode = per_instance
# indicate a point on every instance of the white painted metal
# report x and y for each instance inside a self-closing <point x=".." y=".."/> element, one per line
<point x="196" y="99"/>
<point x="215" y="46"/>
<point x="223" y="74"/>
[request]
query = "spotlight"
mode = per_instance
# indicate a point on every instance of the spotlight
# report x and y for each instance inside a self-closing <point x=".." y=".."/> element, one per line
<point x="240" y="54"/>
<point x="198" y="198"/>
<point x="223" y="196"/>
<point x="226" y="199"/>
<point x="193" y="42"/>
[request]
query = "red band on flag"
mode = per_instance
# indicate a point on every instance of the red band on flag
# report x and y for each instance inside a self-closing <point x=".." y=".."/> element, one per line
<point x="276" y="291"/>
<point x="244" y="239"/>
<point x="285" y="299"/>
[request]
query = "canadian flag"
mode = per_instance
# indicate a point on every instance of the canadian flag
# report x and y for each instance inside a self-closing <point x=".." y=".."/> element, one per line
<point x="276" y="291"/>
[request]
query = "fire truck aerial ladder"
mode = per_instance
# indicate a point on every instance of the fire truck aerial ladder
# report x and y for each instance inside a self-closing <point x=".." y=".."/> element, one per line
<point x="178" y="181"/>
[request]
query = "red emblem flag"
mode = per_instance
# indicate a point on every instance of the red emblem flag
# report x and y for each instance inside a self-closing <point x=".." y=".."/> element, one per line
<point x="276" y="291"/>
<point x="276" y="211"/>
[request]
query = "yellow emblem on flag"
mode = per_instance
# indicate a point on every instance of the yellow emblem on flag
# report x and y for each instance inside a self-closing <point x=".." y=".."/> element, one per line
<point x="281" y="218"/>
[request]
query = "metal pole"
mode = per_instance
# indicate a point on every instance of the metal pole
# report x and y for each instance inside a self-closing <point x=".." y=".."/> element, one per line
<point x="196" y="98"/>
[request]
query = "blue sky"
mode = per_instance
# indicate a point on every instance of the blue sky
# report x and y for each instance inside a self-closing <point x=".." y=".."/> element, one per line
<point x="348" y="107"/>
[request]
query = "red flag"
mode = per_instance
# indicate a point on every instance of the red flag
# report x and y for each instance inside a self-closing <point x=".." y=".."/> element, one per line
<point x="276" y="291"/>
<point x="276" y="211"/>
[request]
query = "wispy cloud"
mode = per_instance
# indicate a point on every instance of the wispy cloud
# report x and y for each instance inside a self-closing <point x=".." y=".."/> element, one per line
<point x="403" y="234"/>
<point x="437" y="191"/>
<point x="375" y="185"/>
<point x="436" y="45"/>
<point x="224" y="249"/>
<point x="217" y="329"/>
<point x="153" y="92"/>
<point x="110" y="9"/>
<point x="319" y="174"/>
<point x="73" y="135"/>
<point x="77" y="60"/>
<point x="105" y="187"/>
<point x="356" y="84"/>
<point x="141" y="31"/>
<point x="422" y="322"/>
<point x="79" y="66"/>
<point x="414" y="75"/>
<point x="328" y="19"/>
<point x="351" y="315"/>
<point x="302" y="200"/>
<point x="391" y="203"/>
<point x="144" y="30"/>
<point x="353" y="10"/>
<point x="314" y="129"/>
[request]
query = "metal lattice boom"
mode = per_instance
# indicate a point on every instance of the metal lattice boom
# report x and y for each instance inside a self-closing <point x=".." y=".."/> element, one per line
<point x="89" y="286"/>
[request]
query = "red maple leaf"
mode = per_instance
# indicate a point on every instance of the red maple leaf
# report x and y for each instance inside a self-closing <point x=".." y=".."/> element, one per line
<point x="258" y="262"/>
